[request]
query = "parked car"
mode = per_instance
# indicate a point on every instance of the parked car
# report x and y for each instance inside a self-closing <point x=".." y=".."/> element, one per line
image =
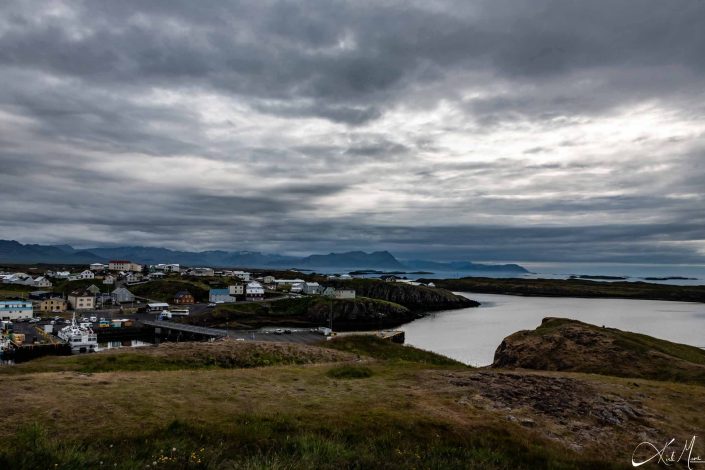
<point x="94" y="319"/>
<point x="278" y="331"/>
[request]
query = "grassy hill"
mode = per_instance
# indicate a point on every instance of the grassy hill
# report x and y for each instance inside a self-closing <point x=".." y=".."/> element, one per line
<point x="560" y="344"/>
<point x="309" y="311"/>
<point x="351" y="402"/>
<point x="574" y="288"/>
<point x="415" y="298"/>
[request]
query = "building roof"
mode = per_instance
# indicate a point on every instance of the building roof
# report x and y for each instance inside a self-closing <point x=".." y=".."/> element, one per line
<point x="219" y="292"/>
<point x="120" y="290"/>
<point x="81" y="293"/>
<point x="182" y="293"/>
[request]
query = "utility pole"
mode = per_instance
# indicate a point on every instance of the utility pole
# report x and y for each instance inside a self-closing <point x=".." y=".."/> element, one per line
<point x="331" y="315"/>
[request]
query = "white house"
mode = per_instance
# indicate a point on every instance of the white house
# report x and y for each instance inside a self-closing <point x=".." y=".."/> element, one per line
<point x="81" y="300"/>
<point x="97" y="267"/>
<point x="202" y="272"/>
<point x="245" y="276"/>
<point x="284" y="282"/>
<point x="122" y="295"/>
<point x="166" y="268"/>
<point x="109" y="280"/>
<point x="297" y="288"/>
<point x="254" y="291"/>
<point x="133" y="277"/>
<point x="42" y="281"/>
<point x="19" y="278"/>
<point x="15" y="309"/>
<point x="61" y="275"/>
<point x="87" y="274"/>
<point x="311" y="288"/>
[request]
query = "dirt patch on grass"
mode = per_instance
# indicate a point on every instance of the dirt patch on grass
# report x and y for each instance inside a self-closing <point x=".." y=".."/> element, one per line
<point x="576" y="413"/>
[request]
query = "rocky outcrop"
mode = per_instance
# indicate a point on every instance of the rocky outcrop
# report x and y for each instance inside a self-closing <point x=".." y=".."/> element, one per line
<point x="360" y="314"/>
<point x="569" y="345"/>
<point x="415" y="298"/>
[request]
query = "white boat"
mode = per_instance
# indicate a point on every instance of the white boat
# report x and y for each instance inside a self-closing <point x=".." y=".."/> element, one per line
<point x="81" y="338"/>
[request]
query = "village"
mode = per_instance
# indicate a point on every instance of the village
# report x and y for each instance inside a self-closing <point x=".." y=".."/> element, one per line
<point x="46" y="310"/>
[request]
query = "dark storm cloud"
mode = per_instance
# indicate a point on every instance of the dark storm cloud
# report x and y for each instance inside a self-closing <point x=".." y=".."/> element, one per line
<point x="544" y="130"/>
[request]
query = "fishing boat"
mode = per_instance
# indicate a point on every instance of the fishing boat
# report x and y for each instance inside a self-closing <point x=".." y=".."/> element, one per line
<point x="81" y="338"/>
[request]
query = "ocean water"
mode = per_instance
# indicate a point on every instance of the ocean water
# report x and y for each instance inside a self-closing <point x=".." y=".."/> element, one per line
<point x="472" y="335"/>
<point x="631" y="272"/>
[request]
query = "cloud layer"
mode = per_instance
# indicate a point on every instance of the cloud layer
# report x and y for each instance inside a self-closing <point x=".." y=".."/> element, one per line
<point x="493" y="130"/>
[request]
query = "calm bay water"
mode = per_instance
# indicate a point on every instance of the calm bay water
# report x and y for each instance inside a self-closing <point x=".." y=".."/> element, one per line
<point x="472" y="335"/>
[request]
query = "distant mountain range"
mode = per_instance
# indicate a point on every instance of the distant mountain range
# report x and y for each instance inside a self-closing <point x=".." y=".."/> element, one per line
<point x="14" y="252"/>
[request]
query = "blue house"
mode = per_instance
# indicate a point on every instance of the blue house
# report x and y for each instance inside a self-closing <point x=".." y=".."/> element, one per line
<point x="220" y="296"/>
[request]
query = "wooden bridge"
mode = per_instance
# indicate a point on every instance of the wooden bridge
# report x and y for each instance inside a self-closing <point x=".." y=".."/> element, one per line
<point x="161" y="327"/>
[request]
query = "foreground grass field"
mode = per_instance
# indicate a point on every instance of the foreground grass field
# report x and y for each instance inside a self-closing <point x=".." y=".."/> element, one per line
<point x="368" y="405"/>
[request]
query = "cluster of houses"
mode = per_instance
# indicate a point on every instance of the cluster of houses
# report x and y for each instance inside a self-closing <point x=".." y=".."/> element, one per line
<point x="253" y="290"/>
<point x="25" y="279"/>
<point x="129" y="273"/>
<point x="80" y="299"/>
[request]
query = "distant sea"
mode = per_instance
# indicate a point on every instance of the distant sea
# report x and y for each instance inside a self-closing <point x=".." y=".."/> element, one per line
<point x="631" y="272"/>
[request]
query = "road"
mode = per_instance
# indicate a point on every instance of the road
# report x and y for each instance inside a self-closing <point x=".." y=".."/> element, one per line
<point x="301" y="336"/>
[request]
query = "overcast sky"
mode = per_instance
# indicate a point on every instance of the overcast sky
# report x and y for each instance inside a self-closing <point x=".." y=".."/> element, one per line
<point x="487" y="130"/>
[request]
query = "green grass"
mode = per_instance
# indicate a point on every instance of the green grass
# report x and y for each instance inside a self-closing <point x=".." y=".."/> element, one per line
<point x="636" y="342"/>
<point x="349" y="372"/>
<point x="370" y="440"/>
<point x="574" y="288"/>
<point x="307" y="311"/>
<point x="378" y="348"/>
<point x="184" y="356"/>
<point x="13" y="291"/>
<point x="164" y="290"/>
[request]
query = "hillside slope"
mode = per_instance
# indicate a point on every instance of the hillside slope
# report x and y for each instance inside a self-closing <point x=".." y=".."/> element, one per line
<point x="370" y="404"/>
<point x="415" y="298"/>
<point x="355" y="314"/>
<point x="573" y="288"/>
<point x="560" y="344"/>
